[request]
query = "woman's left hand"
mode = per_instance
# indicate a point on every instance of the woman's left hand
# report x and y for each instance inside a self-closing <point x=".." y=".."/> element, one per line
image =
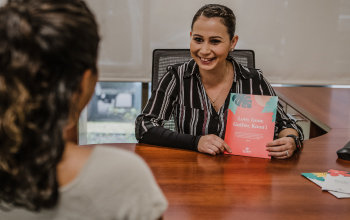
<point x="281" y="148"/>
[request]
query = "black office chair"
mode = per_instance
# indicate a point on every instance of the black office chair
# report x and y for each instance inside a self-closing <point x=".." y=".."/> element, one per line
<point x="162" y="58"/>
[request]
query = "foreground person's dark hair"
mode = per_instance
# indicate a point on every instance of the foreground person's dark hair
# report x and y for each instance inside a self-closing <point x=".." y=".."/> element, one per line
<point x="45" y="47"/>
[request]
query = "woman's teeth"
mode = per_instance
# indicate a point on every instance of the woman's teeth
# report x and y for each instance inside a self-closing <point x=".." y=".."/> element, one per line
<point x="205" y="60"/>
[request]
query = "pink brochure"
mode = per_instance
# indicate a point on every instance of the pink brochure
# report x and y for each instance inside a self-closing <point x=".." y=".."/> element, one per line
<point x="250" y="124"/>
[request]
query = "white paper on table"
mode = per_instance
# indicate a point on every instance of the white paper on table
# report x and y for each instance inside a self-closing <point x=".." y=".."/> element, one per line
<point x="318" y="178"/>
<point x="338" y="181"/>
<point x="339" y="195"/>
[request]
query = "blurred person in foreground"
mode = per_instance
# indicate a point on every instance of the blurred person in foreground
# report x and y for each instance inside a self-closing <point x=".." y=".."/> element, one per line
<point x="48" y="54"/>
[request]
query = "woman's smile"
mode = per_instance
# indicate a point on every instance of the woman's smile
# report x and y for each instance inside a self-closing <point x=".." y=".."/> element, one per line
<point x="206" y="60"/>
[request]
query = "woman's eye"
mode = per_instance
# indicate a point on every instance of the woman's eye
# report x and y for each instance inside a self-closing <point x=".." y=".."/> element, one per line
<point x="198" y="39"/>
<point x="215" y="41"/>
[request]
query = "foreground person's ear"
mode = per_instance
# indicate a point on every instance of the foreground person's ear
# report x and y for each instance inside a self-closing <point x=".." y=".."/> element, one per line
<point x="85" y="90"/>
<point x="79" y="100"/>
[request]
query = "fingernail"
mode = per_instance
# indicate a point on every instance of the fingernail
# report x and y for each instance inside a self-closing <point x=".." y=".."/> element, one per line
<point x="269" y="154"/>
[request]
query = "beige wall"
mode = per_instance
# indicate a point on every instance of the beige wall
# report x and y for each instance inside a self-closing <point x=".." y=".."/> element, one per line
<point x="295" y="41"/>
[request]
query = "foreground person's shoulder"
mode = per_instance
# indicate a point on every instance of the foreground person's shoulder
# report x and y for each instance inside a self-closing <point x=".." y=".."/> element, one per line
<point x="131" y="191"/>
<point x="113" y="155"/>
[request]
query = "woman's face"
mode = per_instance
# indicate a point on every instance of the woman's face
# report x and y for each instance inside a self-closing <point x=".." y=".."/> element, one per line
<point x="210" y="43"/>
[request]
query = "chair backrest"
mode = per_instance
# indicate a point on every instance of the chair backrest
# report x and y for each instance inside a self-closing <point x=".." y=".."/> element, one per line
<point x="162" y="58"/>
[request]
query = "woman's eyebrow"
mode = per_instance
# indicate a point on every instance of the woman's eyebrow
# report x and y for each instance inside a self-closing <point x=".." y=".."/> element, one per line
<point x="216" y="37"/>
<point x="197" y="35"/>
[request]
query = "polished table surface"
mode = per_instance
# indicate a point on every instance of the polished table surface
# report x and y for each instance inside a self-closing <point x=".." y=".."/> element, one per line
<point x="200" y="186"/>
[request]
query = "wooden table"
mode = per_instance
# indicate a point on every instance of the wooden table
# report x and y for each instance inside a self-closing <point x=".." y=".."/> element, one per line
<point x="200" y="186"/>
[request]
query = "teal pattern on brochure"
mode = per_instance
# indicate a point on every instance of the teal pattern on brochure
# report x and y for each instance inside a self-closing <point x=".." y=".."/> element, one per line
<point x="245" y="101"/>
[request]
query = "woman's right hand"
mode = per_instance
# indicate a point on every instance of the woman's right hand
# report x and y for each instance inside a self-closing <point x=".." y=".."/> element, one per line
<point x="212" y="144"/>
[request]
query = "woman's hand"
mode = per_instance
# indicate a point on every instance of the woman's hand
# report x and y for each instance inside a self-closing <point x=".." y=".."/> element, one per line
<point x="281" y="148"/>
<point x="212" y="144"/>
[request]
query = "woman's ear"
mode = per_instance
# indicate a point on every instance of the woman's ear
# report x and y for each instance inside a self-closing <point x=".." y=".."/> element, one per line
<point x="86" y="89"/>
<point x="234" y="42"/>
<point x="80" y="99"/>
<point x="82" y="96"/>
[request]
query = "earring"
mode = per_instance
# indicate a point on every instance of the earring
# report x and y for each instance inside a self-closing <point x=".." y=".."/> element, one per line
<point x="231" y="49"/>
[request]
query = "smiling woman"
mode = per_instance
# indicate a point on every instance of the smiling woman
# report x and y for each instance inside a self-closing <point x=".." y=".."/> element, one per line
<point x="210" y="44"/>
<point x="197" y="92"/>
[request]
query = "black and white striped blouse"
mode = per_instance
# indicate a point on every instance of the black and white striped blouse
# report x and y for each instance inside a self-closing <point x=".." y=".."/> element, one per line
<point x="181" y="93"/>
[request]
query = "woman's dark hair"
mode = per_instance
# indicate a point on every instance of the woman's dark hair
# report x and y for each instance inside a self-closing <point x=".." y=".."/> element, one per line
<point x="227" y="16"/>
<point x="45" y="47"/>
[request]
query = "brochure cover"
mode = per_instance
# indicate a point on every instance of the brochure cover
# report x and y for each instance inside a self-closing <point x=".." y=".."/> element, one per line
<point x="319" y="179"/>
<point x="338" y="181"/>
<point x="250" y="124"/>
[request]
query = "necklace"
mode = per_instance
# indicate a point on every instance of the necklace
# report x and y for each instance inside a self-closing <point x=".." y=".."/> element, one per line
<point x="213" y="102"/>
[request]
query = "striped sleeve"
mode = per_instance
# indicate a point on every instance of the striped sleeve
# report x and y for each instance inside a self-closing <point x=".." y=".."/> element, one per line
<point x="159" y="107"/>
<point x="282" y="119"/>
